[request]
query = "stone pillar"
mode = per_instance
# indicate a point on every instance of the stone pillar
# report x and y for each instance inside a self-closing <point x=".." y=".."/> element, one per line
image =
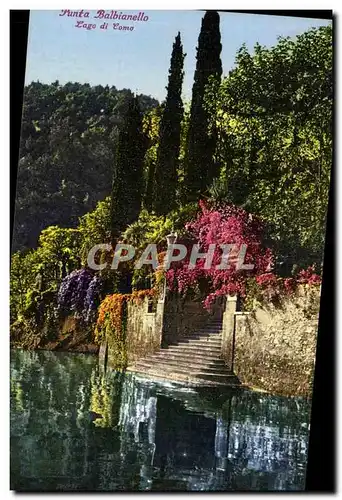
<point x="160" y="320"/>
<point x="228" y="333"/>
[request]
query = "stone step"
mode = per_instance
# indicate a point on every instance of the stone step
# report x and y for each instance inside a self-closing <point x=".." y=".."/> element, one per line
<point x="182" y="367"/>
<point x="173" y="372"/>
<point x="189" y="355"/>
<point x="203" y="331"/>
<point x="194" y="359"/>
<point x="211" y="361"/>
<point x="183" y="379"/>
<point x="160" y="367"/>
<point x="200" y="343"/>
<point x="204" y="337"/>
<point x="183" y="362"/>
<point x="212" y="324"/>
<point x="217" y="333"/>
<point x="195" y="349"/>
<point x="171" y="353"/>
<point x="186" y="378"/>
<point x="190" y="368"/>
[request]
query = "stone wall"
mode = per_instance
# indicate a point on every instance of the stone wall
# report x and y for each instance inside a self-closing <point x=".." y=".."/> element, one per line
<point x="143" y="334"/>
<point x="144" y="329"/>
<point x="274" y="347"/>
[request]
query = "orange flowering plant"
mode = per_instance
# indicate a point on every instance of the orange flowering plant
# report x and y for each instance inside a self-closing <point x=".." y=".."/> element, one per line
<point x="111" y="322"/>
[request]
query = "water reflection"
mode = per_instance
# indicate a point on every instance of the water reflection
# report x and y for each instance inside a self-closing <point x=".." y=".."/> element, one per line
<point x="74" y="427"/>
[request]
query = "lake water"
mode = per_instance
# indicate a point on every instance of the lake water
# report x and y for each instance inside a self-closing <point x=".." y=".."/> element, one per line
<point x="76" y="428"/>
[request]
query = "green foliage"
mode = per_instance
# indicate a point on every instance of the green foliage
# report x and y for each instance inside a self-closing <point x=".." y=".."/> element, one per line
<point x="111" y="327"/>
<point x="151" y="126"/>
<point x="200" y="167"/>
<point x="68" y="142"/>
<point x="274" y="121"/>
<point x="24" y="269"/>
<point x="35" y="275"/>
<point x="94" y="227"/>
<point x="127" y="188"/>
<point x="142" y="278"/>
<point x="116" y="342"/>
<point x="58" y="251"/>
<point x="219" y="190"/>
<point x="165" y="188"/>
<point x="151" y="228"/>
<point x="31" y="301"/>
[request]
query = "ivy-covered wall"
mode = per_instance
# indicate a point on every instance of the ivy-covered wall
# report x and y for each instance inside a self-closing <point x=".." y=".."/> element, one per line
<point x="136" y="333"/>
<point x="275" y="344"/>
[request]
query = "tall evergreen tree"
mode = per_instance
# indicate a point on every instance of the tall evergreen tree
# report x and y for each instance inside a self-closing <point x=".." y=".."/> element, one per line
<point x="169" y="135"/>
<point x="128" y="170"/>
<point x="200" y="167"/>
<point x="149" y="190"/>
<point x="151" y="124"/>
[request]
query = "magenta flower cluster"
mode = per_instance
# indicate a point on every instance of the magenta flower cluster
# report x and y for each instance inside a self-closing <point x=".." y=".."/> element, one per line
<point x="225" y="225"/>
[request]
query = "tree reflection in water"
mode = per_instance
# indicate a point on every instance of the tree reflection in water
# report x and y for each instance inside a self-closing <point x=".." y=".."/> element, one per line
<point x="75" y="427"/>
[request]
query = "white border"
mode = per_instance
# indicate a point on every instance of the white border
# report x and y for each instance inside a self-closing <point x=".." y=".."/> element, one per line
<point x="4" y="185"/>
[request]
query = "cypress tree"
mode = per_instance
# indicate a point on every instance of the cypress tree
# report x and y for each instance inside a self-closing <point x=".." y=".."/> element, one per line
<point x="152" y="137"/>
<point x="200" y="167"/>
<point x="149" y="192"/>
<point x="169" y="135"/>
<point x="128" y="170"/>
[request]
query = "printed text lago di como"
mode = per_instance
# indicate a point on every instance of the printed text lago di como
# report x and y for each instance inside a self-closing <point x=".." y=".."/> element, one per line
<point x="104" y="15"/>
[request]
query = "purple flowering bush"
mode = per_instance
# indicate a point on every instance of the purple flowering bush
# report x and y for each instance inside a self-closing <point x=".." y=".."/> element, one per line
<point x="79" y="293"/>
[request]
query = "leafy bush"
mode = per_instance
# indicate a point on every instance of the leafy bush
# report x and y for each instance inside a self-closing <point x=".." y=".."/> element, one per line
<point x="94" y="227"/>
<point x="150" y="228"/>
<point x="274" y="114"/>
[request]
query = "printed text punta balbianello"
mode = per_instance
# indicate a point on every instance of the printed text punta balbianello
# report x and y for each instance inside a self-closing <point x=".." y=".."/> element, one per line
<point x="105" y="14"/>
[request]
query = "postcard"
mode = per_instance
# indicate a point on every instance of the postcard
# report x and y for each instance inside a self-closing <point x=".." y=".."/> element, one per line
<point x="167" y="251"/>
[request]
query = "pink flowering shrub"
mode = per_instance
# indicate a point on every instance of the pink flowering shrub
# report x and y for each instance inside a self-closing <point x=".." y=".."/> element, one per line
<point x="290" y="285"/>
<point x="266" y="280"/>
<point x="308" y="276"/>
<point x="225" y="225"/>
<point x="232" y="225"/>
<point x="272" y="286"/>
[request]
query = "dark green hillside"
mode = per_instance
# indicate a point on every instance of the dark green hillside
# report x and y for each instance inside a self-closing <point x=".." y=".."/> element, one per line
<point x="69" y="135"/>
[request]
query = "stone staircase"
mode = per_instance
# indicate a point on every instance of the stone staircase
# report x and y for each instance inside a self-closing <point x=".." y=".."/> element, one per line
<point x="195" y="360"/>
